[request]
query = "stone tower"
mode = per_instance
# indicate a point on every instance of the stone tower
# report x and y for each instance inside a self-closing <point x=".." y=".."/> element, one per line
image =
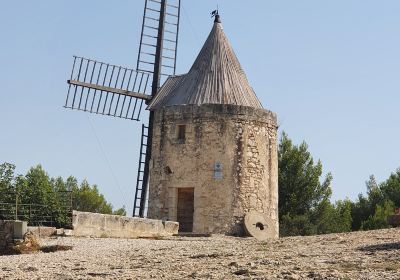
<point x="214" y="151"/>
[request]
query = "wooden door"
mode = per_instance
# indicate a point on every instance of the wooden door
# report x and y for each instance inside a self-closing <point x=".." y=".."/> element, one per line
<point x="185" y="209"/>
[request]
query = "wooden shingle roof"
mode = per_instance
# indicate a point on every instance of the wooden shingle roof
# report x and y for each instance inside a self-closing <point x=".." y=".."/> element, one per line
<point x="216" y="77"/>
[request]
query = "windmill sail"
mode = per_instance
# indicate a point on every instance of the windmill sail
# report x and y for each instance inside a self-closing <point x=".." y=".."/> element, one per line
<point x="102" y="88"/>
<point x="106" y="89"/>
<point x="159" y="39"/>
<point x="157" y="56"/>
<point x="141" y="194"/>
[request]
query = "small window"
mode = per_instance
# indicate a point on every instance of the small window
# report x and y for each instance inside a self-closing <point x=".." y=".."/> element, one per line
<point x="181" y="133"/>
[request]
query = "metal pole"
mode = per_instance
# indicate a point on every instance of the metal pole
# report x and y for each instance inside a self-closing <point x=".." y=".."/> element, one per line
<point x="177" y="36"/>
<point x="16" y="206"/>
<point x="155" y="87"/>
<point x="159" y="50"/>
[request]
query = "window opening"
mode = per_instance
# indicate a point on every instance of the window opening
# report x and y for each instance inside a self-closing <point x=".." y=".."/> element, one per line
<point x="181" y="133"/>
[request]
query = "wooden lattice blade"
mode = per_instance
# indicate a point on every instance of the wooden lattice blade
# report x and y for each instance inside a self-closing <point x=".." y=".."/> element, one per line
<point x="162" y="42"/>
<point x="106" y="89"/>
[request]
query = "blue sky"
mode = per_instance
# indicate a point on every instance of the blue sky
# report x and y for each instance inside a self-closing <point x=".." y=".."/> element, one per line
<point x="329" y="69"/>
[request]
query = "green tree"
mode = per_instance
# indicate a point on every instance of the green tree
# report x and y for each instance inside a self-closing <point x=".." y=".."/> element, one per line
<point x="37" y="198"/>
<point x="374" y="192"/>
<point x="38" y="188"/>
<point x="365" y="206"/>
<point x="7" y="191"/>
<point x="343" y="216"/>
<point x="294" y="225"/>
<point x="360" y="211"/>
<point x="332" y="218"/>
<point x="301" y="192"/>
<point x="41" y="198"/>
<point x="88" y="199"/>
<point x="380" y="218"/>
<point x="62" y="201"/>
<point x="120" y="211"/>
<point x="72" y="184"/>
<point x="391" y="188"/>
<point x="371" y="211"/>
<point x="7" y="182"/>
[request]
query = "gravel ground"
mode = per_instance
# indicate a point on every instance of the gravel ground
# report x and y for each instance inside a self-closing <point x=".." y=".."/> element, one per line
<point x="360" y="255"/>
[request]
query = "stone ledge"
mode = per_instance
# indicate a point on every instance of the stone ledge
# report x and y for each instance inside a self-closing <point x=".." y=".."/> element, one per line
<point x="111" y="226"/>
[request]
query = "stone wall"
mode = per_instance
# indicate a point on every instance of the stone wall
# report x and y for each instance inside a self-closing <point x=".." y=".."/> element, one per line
<point x="242" y="139"/>
<point x="99" y="225"/>
<point x="43" y="232"/>
<point x="6" y="234"/>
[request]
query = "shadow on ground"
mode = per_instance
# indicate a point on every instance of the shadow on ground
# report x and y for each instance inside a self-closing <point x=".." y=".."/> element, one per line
<point x="381" y="247"/>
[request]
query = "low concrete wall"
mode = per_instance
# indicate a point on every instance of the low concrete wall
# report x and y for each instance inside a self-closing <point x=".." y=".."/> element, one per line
<point x="6" y="234"/>
<point x="99" y="225"/>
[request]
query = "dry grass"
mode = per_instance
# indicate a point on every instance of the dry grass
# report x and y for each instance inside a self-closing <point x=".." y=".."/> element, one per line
<point x="30" y="245"/>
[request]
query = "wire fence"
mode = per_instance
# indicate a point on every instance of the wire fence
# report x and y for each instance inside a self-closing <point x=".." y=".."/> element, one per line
<point x="56" y="212"/>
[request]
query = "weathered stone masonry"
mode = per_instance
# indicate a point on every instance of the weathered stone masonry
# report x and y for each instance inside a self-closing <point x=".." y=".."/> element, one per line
<point x="214" y="152"/>
<point x="6" y="234"/>
<point x="242" y="139"/>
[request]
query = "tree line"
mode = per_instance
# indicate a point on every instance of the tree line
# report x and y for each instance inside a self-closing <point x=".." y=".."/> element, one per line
<point x="305" y="206"/>
<point x="39" y="197"/>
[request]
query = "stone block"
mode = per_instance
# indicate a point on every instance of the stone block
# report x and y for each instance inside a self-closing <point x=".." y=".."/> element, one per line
<point x="171" y="227"/>
<point x="99" y="225"/>
<point x="68" y="232"/>
<point x="43" y="231"/>
<point x="20" y="228"/>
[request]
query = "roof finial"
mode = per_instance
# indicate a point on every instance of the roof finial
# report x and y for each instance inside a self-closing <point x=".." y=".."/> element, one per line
<point x="215" y="14"/>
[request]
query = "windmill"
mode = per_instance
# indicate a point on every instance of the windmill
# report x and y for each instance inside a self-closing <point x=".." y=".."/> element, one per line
<point x="116" y="91"/>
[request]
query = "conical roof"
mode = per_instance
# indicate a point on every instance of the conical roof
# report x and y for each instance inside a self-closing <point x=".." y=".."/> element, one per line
<point x="216" y="77"/>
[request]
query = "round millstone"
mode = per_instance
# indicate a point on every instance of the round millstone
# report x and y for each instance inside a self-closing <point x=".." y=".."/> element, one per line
<point x="259" y="226"/>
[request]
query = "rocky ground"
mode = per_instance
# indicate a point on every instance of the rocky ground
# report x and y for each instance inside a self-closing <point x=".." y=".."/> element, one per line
<point x="360" y="255"/>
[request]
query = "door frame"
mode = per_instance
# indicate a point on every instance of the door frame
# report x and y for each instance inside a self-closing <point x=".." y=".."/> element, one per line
<point x="177" y="203"/>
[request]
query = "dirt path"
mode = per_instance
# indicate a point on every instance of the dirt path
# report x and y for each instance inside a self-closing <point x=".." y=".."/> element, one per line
<point x="361" y="255"/>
